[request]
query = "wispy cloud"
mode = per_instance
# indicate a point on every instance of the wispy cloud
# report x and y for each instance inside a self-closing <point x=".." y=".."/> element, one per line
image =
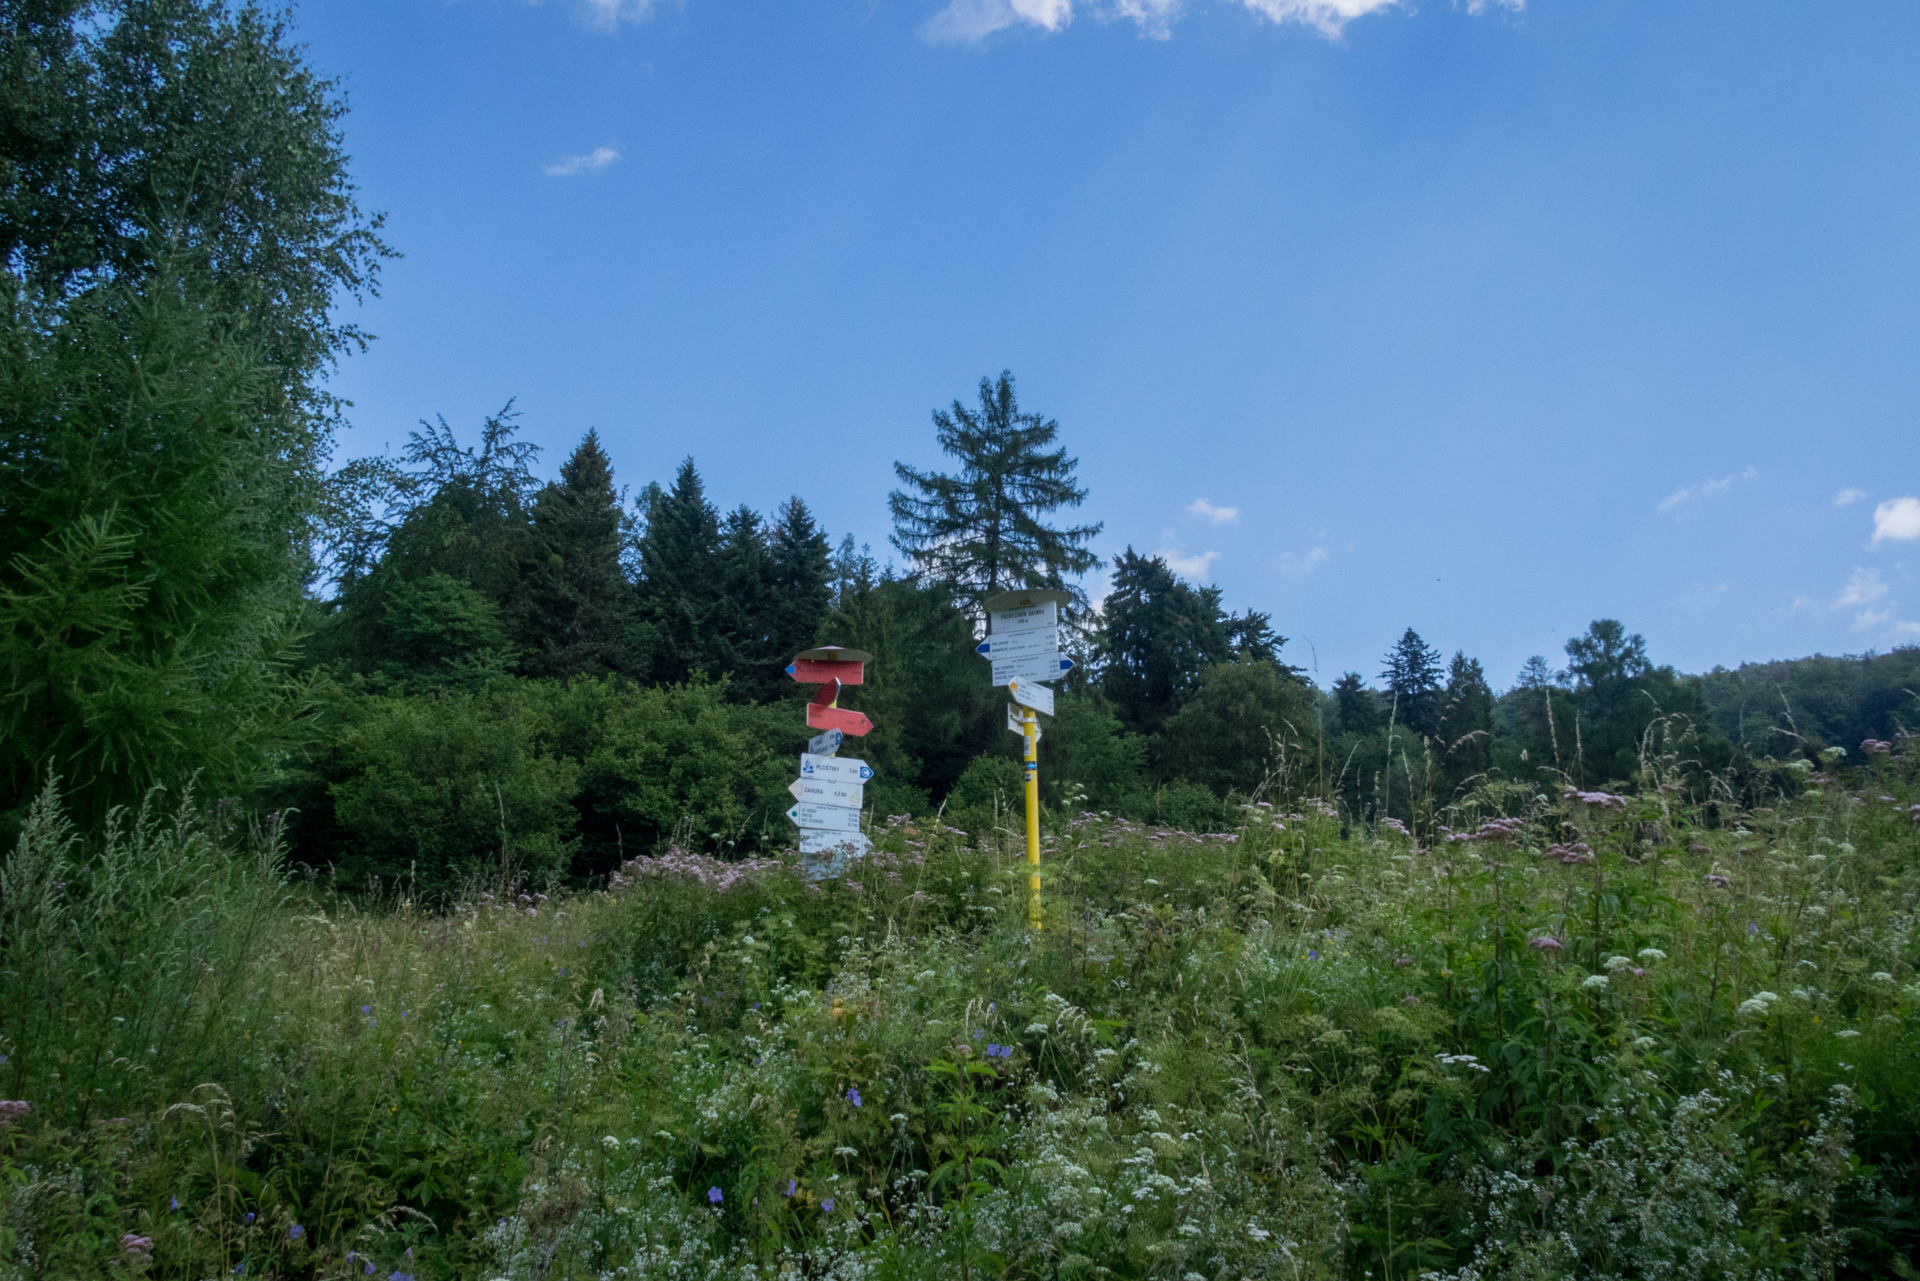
<point x="1865" y="586"/>
<point x="1303" y="564"/>
<point x="1868" y="619"/>
<point x="1896" y="520"/>
<point x="607" y="15"/>
<point x="1907" y="628"/>
<point x="1218" y="515"/>
<point x="1194" y="567"/>
<point x="593" y="162"/>
<point x="1705" y="489"/>
<point x="1847" y="496"/>
<point x="971" y="21"/>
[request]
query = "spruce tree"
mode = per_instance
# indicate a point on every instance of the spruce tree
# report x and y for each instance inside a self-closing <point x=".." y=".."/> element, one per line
<point x="577" y="617"/>
<point x="799" y="570"/>
<point x="1466" y="719"/>
<point x="1357" y="707"/>
<point x="1157" y="635"/>
<point x="984" y="529"/>
<point x="743" y="620"/>
<point x="1413" y="676"/>
<point x="680" y="590"/>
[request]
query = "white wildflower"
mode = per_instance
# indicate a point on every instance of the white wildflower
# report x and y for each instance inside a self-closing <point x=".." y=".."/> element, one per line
<point x="1651" y="954"/>
<point x="1595" y="981"/>
<point x="1619" y="963"/>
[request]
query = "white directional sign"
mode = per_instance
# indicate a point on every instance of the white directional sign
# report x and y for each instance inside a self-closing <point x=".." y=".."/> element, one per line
<point x="815" y="792"/>
<point x="1019" y="644"/>
<point x="1032" y="618"/>
<point x="833" y="769"/>
<point x="1039" y="667"/>
<point x="832" y="817"/>
<point x="826" y="744"/>
<point x="814" y="841"/>
<point x="1018" y="723"/>
<point x="1029" y="694"/>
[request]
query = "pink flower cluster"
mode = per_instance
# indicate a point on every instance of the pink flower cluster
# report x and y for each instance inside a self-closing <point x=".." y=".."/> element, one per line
<point x="1605" y="800"/>
<point x="1876" y="746"/>
<point x="716" y="874"/>
<point x="12" y="1110"/>
<point x="1578" y="852"/>
<point x="1495" y="829"/>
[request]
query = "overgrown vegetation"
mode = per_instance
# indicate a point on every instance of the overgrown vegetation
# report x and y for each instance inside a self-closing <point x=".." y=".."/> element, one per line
<point x="1582" y="1034"/>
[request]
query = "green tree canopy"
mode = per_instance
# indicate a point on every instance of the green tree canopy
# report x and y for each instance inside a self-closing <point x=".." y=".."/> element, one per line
<point x="1413" y="677"/>
<point x="984" y="530"/>
<point x="680" y="587"/>
<point x="578" y="615"/>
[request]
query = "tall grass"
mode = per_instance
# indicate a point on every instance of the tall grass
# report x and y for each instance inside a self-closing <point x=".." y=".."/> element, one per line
<point x="1576" y="1035"/>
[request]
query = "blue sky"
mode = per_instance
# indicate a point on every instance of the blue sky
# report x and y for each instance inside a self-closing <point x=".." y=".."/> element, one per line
<point x="1486" y="319"/>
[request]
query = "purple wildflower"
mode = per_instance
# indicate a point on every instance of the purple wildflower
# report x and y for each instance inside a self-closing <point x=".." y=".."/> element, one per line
<point x="12" y="1110"/>
<point x="173" y="1203"/>
<point x="1545" y="943"/>
<point x="827" y="1205"/>
<point x="713" y="1195"/>
<point x="296" y="1232"/>
<point x="138" y="1246"/>
<point x="791" y="1186"/>
<point x="853" y="1097"/>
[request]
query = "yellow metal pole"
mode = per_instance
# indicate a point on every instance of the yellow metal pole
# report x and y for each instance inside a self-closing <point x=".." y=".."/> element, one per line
<point x="1033" y="816"/>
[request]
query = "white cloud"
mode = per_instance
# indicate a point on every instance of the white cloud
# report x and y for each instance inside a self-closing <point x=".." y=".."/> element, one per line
<point x="1194" y="567"/>
<point x="593" y="162"/>
<point x="1155" y="17"/>
<point x="1868" y="618"/>
<point x="1863" y="587"/>
<point x="1218" y="515"/>
<point x="1292" y="564"/>
<point x="1705" y="489"/>
<point x="1846" y="496"/>
<point x="971" y="21"/>
<point x="1907" y="629"/>
<point x="607" y="15"/>
<point x="1897" y="519"/>
<point x="1325" y="16"/>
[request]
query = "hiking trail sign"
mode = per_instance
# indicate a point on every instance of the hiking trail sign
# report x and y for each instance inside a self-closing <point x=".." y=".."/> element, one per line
<point x="1023" y="644"/>
<point x="830" y="791"/>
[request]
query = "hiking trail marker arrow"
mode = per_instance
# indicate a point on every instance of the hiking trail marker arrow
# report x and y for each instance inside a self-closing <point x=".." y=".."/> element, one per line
<point x="830" y="790"/>
<point x="1023" y="644"/>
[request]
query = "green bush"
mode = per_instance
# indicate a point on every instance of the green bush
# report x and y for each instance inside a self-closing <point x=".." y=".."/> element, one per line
<point x="435" y="788"/>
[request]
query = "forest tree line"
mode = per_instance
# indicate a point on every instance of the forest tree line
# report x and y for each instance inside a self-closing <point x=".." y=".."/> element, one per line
<point x="448" y="659"/>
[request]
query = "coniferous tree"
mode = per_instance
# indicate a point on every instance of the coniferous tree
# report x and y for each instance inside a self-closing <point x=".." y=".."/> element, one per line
<point x="1466" y="719"/>
<point x="984" y="530"/>
<point x="1356" y="706"/>
<point x="1158" y="633"/>
<point x="1413" y="677"/>
<point x="680" y="588"/>
<point x="578" y="613"/>
<point x="799" y="574"/>
<point x="743" y="622"/>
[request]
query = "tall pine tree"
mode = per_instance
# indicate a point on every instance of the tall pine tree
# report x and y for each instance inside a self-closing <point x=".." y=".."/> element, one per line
<point x="680" y="588"/>
<point x="799" y="570"/>
<point x="1413" y="678"/>
<point x="578" y="612"/>
<point x="1158" y="634"/>
<point x="984" y="530"/>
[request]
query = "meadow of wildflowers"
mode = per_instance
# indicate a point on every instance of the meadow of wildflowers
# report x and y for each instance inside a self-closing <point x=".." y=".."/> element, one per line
<point x="1543" y="1034"/>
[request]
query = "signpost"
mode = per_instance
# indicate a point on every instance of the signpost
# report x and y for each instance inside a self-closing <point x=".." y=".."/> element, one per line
<point x="830" y="791"/>
<point x="1023" y="644"/>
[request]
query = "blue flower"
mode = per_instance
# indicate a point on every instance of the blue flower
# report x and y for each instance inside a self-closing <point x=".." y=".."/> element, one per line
<point x="713" y="1195"/>
<point x="978" y="1033"/>
<point x="853" y="1097"/>
<point x="249" y="1216"/>
<point x="1312" y="955"/>
<point x="173" y="1203"/>
<point x="827" y="1205"/>
<point x="369" y="1267"/>
<point x="790" y="1187"/>
<point x="296" y="1232"/>
<point x="366" y="1009"/>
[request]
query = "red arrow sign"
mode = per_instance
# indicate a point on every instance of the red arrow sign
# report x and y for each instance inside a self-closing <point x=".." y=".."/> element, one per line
<point x="822" y="714"/>
<point x="812" y="671"/>
<point x="839" y="718"/>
